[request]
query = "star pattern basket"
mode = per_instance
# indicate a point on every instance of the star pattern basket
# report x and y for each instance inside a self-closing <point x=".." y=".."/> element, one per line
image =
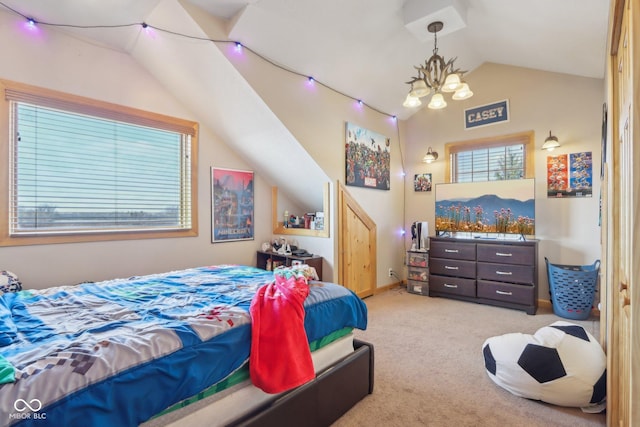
<point x="572" y="288"/>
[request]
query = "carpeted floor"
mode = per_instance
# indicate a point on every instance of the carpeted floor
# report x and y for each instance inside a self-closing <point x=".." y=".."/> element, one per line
<point x="429" y="368"/>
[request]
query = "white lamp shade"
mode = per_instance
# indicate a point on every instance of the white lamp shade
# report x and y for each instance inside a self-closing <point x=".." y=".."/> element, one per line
<point x="451" y="83"/>
<point x="430" y="156"/>
<point x="462" y="93"/>
<point x="550" y="143"/>
<point x="411" y="102"/>
<point x="437" y="102"/>
<point x="419" y="89"/>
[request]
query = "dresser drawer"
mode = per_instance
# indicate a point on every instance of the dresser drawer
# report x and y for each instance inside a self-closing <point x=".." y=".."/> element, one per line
<point x="507" y="254"/>
<point x="517" y="294"/>
<point x="452" y="285"/>
<point x="506" y="272"/>
<point x="453" y="267"/>
<point x="457" y="250"/>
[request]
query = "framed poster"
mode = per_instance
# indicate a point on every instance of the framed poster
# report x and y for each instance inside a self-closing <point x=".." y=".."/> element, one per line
<point x="231" y="205"/>
<point x="422" y="182"/>
<point x="570" y="175"/>
<point x="368" y="158"/>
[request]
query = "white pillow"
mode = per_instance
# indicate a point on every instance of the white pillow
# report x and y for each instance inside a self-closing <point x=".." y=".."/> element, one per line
<point x="9" y="282"/>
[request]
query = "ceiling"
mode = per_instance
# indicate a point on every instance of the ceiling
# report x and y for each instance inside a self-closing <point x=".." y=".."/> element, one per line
<point x="367" y="48"/>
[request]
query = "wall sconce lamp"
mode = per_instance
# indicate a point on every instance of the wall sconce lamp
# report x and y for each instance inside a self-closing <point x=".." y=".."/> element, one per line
<point x="430" y="156"/>
<point x="550" y="143"/>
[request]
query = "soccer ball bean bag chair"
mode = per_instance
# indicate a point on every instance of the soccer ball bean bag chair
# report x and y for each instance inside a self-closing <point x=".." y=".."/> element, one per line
<point x="561" y="364"/>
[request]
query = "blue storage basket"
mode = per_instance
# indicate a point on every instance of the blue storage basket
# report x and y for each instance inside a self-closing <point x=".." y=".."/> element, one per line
<point x="572" y="288"/>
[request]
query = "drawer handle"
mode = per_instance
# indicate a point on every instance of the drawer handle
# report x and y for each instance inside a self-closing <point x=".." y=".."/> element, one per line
<point x="504" y="293"/>
<point x="446" y="285"/>
<point x="504" y="273"/>
<point x="452" y="251"/>
<point x="503" y="254"/>
<point x="447" y="267"/>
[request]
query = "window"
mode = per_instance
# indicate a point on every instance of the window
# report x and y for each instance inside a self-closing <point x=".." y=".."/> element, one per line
<point x="504" y="157"/>
<point x="82" y="170"/>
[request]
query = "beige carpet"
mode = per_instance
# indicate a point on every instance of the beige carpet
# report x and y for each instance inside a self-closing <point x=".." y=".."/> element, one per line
<point x="429" y="368"/>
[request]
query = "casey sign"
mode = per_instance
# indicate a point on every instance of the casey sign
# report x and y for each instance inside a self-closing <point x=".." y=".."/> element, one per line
<point x="486" y="114"/>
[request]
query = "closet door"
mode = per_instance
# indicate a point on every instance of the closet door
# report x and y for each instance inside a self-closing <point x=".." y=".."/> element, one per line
<point x="357" y="246"/>
<point x="624" y="236"/>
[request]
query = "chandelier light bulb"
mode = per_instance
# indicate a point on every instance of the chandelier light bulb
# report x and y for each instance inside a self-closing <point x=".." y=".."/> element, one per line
<point x="437" y="102"/>
<point x="419" y="89"/>
<point x="451" y="83"/>
<point x="411" y="101"/>
<point x="462" y="93"/>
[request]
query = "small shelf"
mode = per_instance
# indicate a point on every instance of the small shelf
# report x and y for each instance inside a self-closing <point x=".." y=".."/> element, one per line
<point x="266" y="259"/>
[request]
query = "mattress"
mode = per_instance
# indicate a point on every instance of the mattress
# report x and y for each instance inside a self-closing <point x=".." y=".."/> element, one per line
<point x="223" y="407"/>
<point x="120" y="351"/>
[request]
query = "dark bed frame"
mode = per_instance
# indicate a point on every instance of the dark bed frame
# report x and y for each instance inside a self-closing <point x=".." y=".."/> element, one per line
<point x="322" y="401"/>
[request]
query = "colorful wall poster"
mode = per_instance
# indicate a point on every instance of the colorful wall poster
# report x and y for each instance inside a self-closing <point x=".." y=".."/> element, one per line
<point x="368" y="158"/>
<point x="570" y="175"/>
<point x="232" y="205"/>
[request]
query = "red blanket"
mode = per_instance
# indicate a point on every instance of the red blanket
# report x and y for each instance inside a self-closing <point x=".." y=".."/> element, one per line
<point x="280" y="357"/>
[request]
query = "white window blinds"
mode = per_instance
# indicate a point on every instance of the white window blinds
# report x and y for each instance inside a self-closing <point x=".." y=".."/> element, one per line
<point x="83" y="168"/>
<point x="488" y="162"/>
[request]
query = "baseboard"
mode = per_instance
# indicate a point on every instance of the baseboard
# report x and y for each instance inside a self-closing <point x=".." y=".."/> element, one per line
<point x="388" y="287"/>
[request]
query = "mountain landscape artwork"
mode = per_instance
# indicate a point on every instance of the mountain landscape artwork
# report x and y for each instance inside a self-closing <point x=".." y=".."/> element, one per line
<point x="505" y="207"/>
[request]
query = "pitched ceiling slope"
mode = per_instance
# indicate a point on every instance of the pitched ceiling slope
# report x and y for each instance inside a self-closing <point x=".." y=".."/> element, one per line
<point x="225" y="103"/>
<point x="368" y="48"/>
<point x="199" y="74"/>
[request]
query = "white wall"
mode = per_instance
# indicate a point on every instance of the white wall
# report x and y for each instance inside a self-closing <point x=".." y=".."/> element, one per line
<point x="569" y="106"/>
<point x="317" y="117"/>
<point x="52" y="60"/>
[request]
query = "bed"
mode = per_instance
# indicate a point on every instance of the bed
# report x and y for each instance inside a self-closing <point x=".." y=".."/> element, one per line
<point x="148" y="349"/>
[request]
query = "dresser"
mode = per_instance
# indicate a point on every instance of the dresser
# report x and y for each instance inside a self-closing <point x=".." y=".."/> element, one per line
<point x="497" y="272"/>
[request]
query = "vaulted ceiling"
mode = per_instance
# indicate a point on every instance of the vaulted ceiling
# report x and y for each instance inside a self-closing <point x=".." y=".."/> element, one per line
<point x="368" y="48"/>
<point x="364" y="48"/>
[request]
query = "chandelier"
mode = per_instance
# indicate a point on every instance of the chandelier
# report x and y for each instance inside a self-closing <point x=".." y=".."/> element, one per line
<point x="437" y="75"/>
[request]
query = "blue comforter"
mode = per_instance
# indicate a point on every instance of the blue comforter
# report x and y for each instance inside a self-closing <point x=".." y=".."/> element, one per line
<point x="115" y="353"/>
